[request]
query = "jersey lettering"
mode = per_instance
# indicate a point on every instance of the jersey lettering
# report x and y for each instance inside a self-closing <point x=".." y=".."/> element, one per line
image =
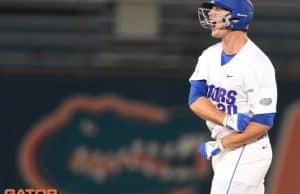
<point x="231" y="97"/>
<point x="225" y="99"/>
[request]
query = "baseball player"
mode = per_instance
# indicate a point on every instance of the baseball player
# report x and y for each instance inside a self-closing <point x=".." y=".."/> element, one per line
<point x="234" y="89"/>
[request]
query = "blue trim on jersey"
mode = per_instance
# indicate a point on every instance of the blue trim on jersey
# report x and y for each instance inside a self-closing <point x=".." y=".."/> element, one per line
<point x="265" y="119"/>
<point x="228" y="189"/>
<point x="225" y="58"/>
<point x="198" y="88"/>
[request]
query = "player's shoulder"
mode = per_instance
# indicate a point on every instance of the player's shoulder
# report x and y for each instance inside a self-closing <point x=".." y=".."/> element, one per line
<point x="257" y="56"/>
<point x="211" y="50"/>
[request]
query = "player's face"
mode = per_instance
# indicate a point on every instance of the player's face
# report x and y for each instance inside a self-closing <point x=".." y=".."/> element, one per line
<point x="218" y="29"/>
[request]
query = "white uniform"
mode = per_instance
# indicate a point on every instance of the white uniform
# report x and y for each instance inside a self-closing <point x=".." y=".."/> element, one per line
<point x="246" y="84"/>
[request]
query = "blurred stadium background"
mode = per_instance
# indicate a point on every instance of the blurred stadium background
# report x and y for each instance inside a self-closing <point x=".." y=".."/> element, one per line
<point x="94" y="92"/>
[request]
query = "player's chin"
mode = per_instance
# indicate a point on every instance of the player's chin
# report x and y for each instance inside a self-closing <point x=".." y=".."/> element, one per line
<point x="215" y="33"/>
<point x="218" y="32"/>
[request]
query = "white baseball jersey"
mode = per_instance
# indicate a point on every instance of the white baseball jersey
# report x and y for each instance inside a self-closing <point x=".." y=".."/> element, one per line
<point x="246" y="84"/>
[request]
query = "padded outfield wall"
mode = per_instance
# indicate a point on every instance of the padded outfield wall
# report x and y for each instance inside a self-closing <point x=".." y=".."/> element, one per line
<point x="108" y="134"/>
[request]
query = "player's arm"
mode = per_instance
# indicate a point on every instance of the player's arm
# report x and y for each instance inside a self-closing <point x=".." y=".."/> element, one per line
<point x="203" y="108"/>
<point x="258" y="127"/>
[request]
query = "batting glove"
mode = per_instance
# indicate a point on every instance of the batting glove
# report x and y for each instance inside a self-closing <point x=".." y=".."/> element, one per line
<point x="237" y="122"/>
<point x="211" y="148"/>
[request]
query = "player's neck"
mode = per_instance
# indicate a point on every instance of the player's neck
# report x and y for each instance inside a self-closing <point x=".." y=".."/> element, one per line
<point x="234" y="41"/>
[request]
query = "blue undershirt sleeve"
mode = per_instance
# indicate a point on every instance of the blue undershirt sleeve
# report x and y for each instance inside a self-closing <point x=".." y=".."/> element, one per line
<point x="265" y="119"/>
<point x="198" y="88"/>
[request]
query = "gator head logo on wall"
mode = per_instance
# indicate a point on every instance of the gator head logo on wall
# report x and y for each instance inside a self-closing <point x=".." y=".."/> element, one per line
<point x="107" y="144"/>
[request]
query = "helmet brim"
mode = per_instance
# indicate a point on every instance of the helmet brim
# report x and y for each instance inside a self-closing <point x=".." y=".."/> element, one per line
<point x="210" y="4"/>
<point x="207" y="5"/>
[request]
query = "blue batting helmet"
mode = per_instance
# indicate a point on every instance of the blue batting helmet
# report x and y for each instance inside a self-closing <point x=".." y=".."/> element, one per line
<point x="241" y="12"/>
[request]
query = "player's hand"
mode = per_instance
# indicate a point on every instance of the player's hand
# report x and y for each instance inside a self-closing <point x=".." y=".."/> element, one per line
<point x="210" y="149"/>
<point x="237" y="122"/>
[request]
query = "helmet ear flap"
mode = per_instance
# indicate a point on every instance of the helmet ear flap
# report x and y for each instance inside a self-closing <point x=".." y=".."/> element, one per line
<point x="240" y="21"/>
<point x="230" y="21"/>
<point x="227" y="20"/>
